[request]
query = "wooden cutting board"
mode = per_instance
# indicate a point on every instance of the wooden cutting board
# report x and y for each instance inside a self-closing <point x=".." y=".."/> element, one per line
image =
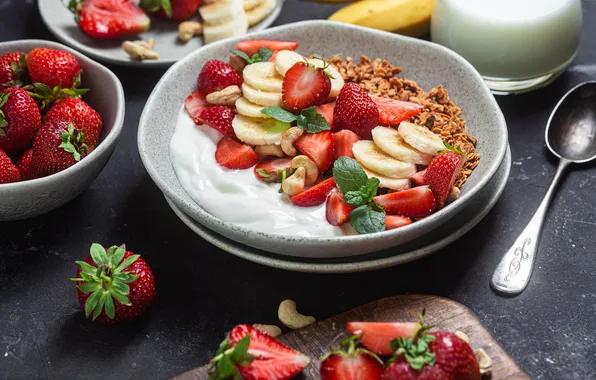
<point x="441" y="313"/>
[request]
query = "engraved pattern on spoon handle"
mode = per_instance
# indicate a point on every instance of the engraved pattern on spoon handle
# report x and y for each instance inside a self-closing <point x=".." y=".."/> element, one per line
<point x="514" y="270"/>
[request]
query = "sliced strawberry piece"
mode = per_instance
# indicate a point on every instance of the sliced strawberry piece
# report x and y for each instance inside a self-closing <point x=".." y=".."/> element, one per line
<point x="337" y="210"/>
<point x="351" y="363"/>
<point x="419" y="178"/>
<point x="319" y="147"/>
<point x="315" y="195"/>
<point x="327" y="111"/>
<point x="233" y="155"/>
<point x="220" y="118"/>
<point x="273" y="56"/>
<point x="305" y="85"/>
<point x="417" y="202"/>
<point x="442" y="173"/>
<point x="268" y="170"/>
<point x="250" y="47"/>
<point x="274" y="361"/>
<point x="393" y="112"/>
<point x="194" y="104"/>
<point x="395" y="221"/>
<point x="110" y="19"/>
<point x="377" y="336"/>
<point x="344" y="140"/>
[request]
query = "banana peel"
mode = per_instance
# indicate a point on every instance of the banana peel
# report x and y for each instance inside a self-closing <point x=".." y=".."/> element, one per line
<point x="407" y="17"/>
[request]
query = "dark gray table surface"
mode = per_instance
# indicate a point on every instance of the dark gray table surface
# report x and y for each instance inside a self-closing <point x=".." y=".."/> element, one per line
<point x="202" y="291"/>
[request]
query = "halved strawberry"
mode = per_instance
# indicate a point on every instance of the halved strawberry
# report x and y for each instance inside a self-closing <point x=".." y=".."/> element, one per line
<point x="417" y="202"/>
<point x="393" y="111"/>
<point x="220" y="118"/>
<point x="419" y="178"/>
<point x="319" y="147"/>
<point x="274" y="361"/>
<point x="305" y="85"/>
<point x="351" y="363"/>
<point x="233" y="155"/>
<point x="315" y="195"/>
<point x="337" y="210"/>
<point x="269" y="169"/>
<point x="109" y="19"/>
<point x="251" y="47"/>
<point x="344" y="140"/>
<point x="442" y="173"/>
<point x="327" y="111"/>
<point x="194" y="104"/>
<point x="396" y="221"/>
<point x="377" y="336"/>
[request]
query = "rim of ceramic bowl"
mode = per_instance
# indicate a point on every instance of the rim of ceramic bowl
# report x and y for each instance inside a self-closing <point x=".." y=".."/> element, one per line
<point x="109" y="140"/>
<point x="443" y="214"/>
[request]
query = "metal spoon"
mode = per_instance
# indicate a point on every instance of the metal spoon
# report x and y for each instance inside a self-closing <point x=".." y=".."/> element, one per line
<point x="571" y="136"/>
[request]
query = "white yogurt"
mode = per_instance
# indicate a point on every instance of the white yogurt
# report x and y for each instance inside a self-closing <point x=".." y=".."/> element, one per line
<point x="237" y="196"/>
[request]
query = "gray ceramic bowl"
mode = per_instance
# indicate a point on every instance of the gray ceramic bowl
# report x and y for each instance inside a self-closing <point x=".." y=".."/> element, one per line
<point x="429" y="64"/>
<point x="30" y="198"/>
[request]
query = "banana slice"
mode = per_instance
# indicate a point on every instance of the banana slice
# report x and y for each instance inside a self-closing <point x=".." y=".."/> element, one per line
<point x="256" y="15"/>
<point x="396" y="184"/>
<point x="221" y="12"/>
<point x="286" y="59"/>
<point x="337" y="82"/>
<point x="252" y="4"/>
<point x="390" y="142"/>
<point x="262" y="98"/>
<point x="370" y="156"/>
<point x="246" y="108"/>
<point x="263" y="76"/>
<point x="254" y="131"/>
<point x="421" y="138"/>
<point x="236" y="27"/>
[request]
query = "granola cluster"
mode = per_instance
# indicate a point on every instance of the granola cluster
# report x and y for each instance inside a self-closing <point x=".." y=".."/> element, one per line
<point x="440" y="114"/>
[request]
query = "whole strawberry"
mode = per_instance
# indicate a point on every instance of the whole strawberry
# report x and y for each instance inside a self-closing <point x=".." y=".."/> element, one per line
<point x="351" y="363"/>
<point x="217" y="75"/>
<point x="8" y="171"/>
<point x="25" y="165"/>
<point x="57" y="146"/>
<point x="114" y="285"/>
<point x="53" y="67"/>
<point x="19" y="119"/>
<point x="109" y="19"/>
<point x="81" y="115"/>
<point x="13" y="69"/>
<point x="355" y="110"/>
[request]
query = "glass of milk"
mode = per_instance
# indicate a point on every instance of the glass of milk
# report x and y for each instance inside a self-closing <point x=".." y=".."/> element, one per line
<point x="516" y="45"/>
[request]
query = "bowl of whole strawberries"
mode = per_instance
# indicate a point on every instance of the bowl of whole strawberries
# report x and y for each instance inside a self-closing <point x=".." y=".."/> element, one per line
<point x="60" y="117"/>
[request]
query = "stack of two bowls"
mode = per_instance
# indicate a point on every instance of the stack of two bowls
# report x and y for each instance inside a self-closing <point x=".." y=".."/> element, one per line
<point x="429" y="64"/>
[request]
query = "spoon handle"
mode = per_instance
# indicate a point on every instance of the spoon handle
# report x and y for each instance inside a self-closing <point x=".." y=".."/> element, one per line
<point x="513" y="272"/>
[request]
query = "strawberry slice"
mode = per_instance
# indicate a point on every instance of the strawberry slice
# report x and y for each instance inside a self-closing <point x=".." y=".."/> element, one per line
<point x="305" y="85"/>
<point x="344" y="140"/>
<point x="274" y="361"/>
<point x="109" y="19"/>
<point x="250" y="47"/>
<point x="351" y="363"/>
<point x="269" y="169"/>
<point x="194" y="104"/>
<point x="417" y="202"/>
<point x="327" y="111"/>
<point x="396" y="221"/>
<point x="419" y="178"/>
<point x="233" y="155"/>
<point x="393" y="112"/>
<point x="337" y="210"/>
<point x="377" y="336"/>
<point x="315" y="195"/>
<point x="319" y="147"/>
<point x="442" y="173"/>
<point x="220" y="118"/>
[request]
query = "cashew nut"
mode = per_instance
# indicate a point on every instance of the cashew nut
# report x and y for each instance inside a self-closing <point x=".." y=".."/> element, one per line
<point x="463" y="336"/>
<point x="238" y="63"/>
<point x="188" y="29"/>
<point x="485" y="362"/>
<point x="312" y="170"/>
<point x="225" y="97"/>
<point x="289" y="316"/>
<point x="269" y="150"/>
<point x="294" y="184"/>
<point x="140" y="50"/>
<point x="288" y="138"/>
<point x="453" y="194"/>
<point x="272" y="330"/>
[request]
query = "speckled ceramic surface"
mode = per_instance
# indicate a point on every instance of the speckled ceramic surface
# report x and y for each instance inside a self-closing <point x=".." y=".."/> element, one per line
<point x="60" y="21"/>
<point x="427" y="63"/>
<point x="471" y="215"/>
<point x="30" y="198"/>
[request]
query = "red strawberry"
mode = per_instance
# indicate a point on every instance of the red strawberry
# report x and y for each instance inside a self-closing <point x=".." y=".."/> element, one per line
<point x="53" y="67"/>
<point x="337" y="210"/>
<point x="419" y="178"/>
<point x="442" y="173"/>
<point x="396" y="221"/>
<point x="19" y="119"/>
<point x="194" y="105"/>
<point x="250" y="47"/>
<point x="269" y="170"/>
<point x="58" y="145"/>
<point x="25" y="165"/>
<point x="377" y="336"/>
<point x="217" y="75"/>
<point x="393" y="112"/>
<point x="128" y="292"/>
<point x="351" y="363"/>
<point x="13" y="69"/>
<point x="327" y="111"/>
<point x="416" y="202"/>
<point x="355" y="110"/>
<point x="318" y="147"/>
<point x="315" y="195"/>
<point x="220" y="118"/>
<point x="109" y="19"/>
<point x="344" y="140"/>
<point x="81" y="115"/>
<point x="8" y="171"/>
<point x="305" y="85"/>
<point x="181" y="9"/>
<point x="234" y="155"/>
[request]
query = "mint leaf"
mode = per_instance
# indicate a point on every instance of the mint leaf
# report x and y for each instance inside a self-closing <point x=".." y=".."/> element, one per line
<point x="365" y="220"/>
<point x="312" y="121"/>
<point x="262" y="55"/>
<point x="371" y="188"/>
<point x="241" y="54"/>
<point x="280" y="114"/>
<point x="349" y="175"/>
<point x="355" y="198"/>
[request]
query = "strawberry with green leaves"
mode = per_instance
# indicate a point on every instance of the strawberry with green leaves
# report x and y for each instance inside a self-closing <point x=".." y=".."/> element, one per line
<point x="20" y="119"/>
<point x="351" y="363"/>
<point x="305" y="85"/>
<point x="58" y="145"/>
<point x="442" y="172"/>
<point x="81" y="114"/>
<point x="13" y="69"/>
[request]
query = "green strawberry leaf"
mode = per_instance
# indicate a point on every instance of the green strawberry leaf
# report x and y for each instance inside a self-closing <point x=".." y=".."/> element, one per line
<point x="109" y="305"/>
<point x="92" y="302"/>
<point x="167" y="7"/>
<point x="450" y="148"/>
<point x="225" y="368"/>
<point x="365" y="220"/>
<point x="126" y="263"/>
<point x="349" y="175"/>
<point x="240" y="352"/>
<point x="121" y="298"/>
<point x="98" y="254"/>
<point x="102" y="301"/>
